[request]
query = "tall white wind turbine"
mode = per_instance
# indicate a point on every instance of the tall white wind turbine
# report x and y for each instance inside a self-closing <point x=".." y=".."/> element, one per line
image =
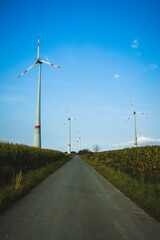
<point x="69" y="128"/>
<point x="37" y="133"/>
<point x="135" y="130"/>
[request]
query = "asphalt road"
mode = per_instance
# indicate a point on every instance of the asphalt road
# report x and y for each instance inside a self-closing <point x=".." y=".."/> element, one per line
<point x="76" y="203"/>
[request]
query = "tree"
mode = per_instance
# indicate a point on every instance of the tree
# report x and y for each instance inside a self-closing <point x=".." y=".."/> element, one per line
<point x="84" y="151"/>
<point x="96" y="148"/>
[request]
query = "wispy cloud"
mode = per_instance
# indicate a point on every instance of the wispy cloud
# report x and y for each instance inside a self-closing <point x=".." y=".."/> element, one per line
<point x="139" y="54"/>
<point x="47" y="58"/>
<point x="135" y="43"/>
<point x="153" y="66"/>
<point x="116" y="76"/>
<point x="60" y="83"/>
<point x="124" y="144"/>
<point x="14" y="88"/>
<point x="113" y="110"/>
<point x="141" y="141"/>
<point x="12" y="99"/>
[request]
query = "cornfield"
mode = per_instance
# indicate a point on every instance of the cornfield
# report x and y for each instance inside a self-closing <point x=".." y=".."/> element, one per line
<point x="141" y="162"/>
<point x="15" y="158"/>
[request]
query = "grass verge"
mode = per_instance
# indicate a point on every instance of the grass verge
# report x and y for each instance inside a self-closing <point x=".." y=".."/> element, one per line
<point x="145" y="195"/>
<point x="22" y="184"/>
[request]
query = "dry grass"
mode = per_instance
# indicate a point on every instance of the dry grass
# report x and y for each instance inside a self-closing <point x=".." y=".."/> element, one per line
<point x="22" y="184"/>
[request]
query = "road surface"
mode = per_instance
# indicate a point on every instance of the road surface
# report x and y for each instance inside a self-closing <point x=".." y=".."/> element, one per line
<point x="76" y="203"/>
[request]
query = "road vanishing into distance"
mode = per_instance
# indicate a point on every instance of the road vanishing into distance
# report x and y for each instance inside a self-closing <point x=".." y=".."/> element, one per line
<point x="76" y="203"/>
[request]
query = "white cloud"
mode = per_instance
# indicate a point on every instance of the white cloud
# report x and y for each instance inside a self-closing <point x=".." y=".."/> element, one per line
<point x="147" y="139"/>
<point x="134" y="46"/>
<point x="116" y="76"/>
<point x="141" y="141"/>
<point x="139" y="54"/>
<point x="153" y="66"/>
<point x="124" y="144"/>
<point x="135" y="43"/>
<point x="12" y="99"/>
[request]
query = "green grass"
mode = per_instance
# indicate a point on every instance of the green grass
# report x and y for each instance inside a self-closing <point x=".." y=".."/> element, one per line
<point x="11" y="193"/>
<point x="145" y="194"/>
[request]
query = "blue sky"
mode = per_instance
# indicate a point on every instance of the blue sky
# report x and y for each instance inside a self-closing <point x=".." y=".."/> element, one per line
<point x="109" y="54"/>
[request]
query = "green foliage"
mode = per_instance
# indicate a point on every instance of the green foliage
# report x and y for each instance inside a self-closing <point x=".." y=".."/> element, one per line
<point x="15" y="158"/>
<point x="135" y="171"/>
<point x="142" y="163"/>
<point x="23" y="167"/>
<point x="84" y="151"/>
<point x="145" y="195"/>
<point x="22" y="184"/>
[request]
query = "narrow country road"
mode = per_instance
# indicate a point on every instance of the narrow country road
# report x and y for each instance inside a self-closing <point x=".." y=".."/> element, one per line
<point x="76" y="203"/>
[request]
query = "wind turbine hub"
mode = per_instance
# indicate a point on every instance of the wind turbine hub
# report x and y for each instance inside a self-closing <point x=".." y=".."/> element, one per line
<point x="39" y="61"/>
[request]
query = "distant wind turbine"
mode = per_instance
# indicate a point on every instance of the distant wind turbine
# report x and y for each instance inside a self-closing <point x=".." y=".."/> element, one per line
<point x="135" y="131"/>
<point x="79" y="141"/>
<point x="37" y="134"/>
<point x="76" y="144"/>
<point x="69" y="135"/>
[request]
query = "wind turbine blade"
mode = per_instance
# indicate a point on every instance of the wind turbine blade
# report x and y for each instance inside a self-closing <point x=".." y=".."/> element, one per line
<point x="38" y="48"/>
<point x="75" y="119"/>
<point x="50" y="64"/>
<point x="28" y="69"/>
<point x="142" y="113"/>
<point x="83" y="139"/>
<point x="67" y="112"/>
<point x="65" y="123"/>
<point x="132" y="106"/>
<point x="129" y="117"/>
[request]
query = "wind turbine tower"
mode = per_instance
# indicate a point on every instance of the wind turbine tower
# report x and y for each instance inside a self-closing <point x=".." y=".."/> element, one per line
<point x="37" y="133"/>
<point x="69" y="128"/>
<point x="135" y="130"/>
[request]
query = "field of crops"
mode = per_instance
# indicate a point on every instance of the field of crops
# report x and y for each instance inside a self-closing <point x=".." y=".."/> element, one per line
<point x="142" y="162"/>
<point x="134" y="171"/>
<point x="23" y="167"/>
<point x="15" y="158"/>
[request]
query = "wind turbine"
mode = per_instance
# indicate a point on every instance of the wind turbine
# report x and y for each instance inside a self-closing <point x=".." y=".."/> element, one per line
<point x="135" y="130"/>
<point x="37" y="133"/>
<point x="76" y="144"/>
<point x="69" y="135"/>
<point x="79" y="141"/>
